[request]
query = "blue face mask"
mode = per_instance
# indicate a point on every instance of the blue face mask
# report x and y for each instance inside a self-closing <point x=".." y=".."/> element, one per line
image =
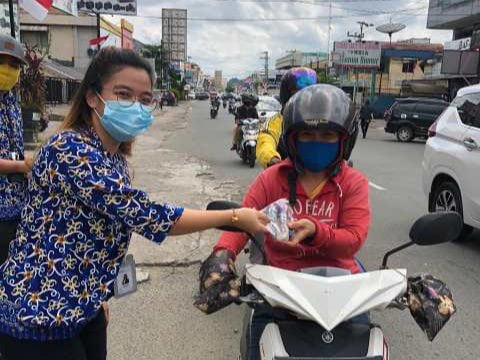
<point x="317" y="156"/>
<point x="123" y="123"/>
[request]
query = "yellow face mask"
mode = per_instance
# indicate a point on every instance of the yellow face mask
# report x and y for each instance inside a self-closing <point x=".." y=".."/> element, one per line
<point x="8" y="76"/>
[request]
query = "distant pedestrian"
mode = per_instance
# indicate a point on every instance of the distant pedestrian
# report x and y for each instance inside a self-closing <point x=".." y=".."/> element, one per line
<point x="365" y="117"/>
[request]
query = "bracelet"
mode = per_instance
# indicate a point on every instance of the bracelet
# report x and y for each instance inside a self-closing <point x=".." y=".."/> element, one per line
<point x="235" y="218"/>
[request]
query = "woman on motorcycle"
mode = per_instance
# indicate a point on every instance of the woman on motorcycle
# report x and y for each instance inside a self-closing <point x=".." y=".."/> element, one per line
<point x="246" y="111"/>
<point x="329" y="199"/>
<point x="81" y="211"/>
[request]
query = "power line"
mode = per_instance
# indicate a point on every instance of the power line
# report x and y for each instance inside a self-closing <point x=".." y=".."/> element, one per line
<point x="327" y="3"/>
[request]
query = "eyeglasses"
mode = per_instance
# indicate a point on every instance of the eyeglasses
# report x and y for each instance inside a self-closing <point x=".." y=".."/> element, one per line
<point x="125" y="98"/>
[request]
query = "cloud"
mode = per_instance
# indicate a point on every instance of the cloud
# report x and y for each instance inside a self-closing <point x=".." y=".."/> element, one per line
<point x="236" y="47"/>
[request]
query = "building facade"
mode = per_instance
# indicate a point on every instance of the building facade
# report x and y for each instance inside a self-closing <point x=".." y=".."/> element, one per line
<point x="463" y="18"/>
<point x="218" y="80"/>
<point x="174" y="35"/>
<point x="299" y="58"/>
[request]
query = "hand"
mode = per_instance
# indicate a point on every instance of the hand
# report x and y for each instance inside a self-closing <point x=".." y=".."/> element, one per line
<point x="252" y="221"/>
<point x="273" y="161"/>
<point x="303" y="228"/>
<point x="106" y="310"/>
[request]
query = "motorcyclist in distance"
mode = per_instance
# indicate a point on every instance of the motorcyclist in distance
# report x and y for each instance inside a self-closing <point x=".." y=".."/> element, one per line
<point x="246" y="111"/>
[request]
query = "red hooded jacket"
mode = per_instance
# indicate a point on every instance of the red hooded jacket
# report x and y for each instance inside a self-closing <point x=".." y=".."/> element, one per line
<point x="341" y="213"/>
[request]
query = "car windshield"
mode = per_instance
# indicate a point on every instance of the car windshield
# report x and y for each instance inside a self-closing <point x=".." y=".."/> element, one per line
<point x="268" y="104"/>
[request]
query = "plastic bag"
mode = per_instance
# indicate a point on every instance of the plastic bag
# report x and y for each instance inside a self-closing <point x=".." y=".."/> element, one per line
<point x="430" y="302"/>
<point x="280" y="214"/>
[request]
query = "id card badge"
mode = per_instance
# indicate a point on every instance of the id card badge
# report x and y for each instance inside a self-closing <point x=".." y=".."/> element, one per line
<point x="126" y="281"/>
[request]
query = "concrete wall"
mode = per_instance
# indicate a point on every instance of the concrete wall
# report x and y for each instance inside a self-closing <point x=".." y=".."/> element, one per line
<point x="62" y="46"/>
<point x="84" y="35"/>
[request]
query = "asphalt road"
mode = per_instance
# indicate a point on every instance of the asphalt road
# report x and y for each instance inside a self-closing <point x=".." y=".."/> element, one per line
<point x="159" y="322"/>
<point x="394" y="170"/>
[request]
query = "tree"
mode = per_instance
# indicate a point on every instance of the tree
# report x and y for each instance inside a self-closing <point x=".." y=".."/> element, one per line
<point x="324" y="78"/>
<point x="154" y="51"/>
<point x="229" y="89"/>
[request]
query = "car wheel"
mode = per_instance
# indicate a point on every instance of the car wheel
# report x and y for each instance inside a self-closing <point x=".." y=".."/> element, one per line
<point x="405" y="134"/>
<point x="447" y="197"/>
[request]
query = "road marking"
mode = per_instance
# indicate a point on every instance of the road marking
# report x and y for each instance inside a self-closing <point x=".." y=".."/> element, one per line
<point x="378" y="187"/>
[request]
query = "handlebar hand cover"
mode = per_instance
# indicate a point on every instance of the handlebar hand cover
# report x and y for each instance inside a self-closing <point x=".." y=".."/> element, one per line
<point x="219" y="282"/>
<point x="430" y="302"/>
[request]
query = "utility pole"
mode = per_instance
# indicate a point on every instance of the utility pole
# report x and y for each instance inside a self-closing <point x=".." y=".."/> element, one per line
<point x="265" y="57"/>
<point x="329" y="30"/>
<point x="359" y="38"/>
<point x="12" y="18"/>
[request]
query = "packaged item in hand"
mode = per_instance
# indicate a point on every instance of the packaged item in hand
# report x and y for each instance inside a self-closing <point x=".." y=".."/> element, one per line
<point x="280" y="214"/>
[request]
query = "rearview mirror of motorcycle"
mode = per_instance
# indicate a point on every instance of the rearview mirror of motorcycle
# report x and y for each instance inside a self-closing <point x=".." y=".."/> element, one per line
<point x="431" y="229"/>
<point x="436" y="228"/>
<point x="225" y="205"/>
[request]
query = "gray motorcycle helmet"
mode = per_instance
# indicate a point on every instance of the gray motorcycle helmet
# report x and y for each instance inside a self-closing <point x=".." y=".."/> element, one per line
<point x="12" y="47"/>
<point x="317" y="107"/>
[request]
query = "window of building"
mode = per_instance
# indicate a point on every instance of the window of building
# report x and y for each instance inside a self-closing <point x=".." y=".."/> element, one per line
<point x="408" y="67"/>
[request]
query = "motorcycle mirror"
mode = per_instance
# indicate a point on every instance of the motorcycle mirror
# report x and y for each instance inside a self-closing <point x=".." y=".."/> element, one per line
<point x="436" y="228"/>
<point x="225" y="205"/>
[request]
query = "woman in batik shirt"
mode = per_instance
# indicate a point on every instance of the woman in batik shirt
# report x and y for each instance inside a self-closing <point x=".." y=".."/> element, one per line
<point x="81" y="211"/>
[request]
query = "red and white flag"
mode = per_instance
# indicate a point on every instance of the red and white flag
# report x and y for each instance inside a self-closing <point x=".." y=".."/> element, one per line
<point x="98" y="41"/>
<point x="37" y="8"/>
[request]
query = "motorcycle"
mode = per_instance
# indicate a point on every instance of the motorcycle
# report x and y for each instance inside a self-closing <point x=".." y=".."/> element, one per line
<point x="247" y="145"/>
<point x="224" y="104"/>
<point x="231" y="107"/>
<point x="213" y="111"/>
<point x="322" y="304"/>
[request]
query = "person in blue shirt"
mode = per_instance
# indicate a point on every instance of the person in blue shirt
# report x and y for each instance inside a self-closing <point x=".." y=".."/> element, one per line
<point x="13" y="165"/>
<point x="80" y="213"/>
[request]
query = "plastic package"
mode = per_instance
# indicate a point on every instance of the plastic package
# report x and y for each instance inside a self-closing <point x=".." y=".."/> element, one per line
<point x="280" y="214"/>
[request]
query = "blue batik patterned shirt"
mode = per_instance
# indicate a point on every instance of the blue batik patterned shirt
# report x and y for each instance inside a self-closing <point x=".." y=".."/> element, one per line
<point x="73" y="235"/>
<point x="12" y="194"/>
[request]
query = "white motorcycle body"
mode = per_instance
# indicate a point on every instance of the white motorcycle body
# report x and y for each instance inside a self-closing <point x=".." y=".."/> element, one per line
<point x="323" y="306"/>
<point x="248" y="143"/>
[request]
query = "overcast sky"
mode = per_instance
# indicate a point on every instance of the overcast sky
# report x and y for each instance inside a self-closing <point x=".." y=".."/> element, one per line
<point x="235" y="47"/>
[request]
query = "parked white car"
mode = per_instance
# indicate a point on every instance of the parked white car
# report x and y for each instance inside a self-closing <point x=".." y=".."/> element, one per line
<point x="451" y="162"/>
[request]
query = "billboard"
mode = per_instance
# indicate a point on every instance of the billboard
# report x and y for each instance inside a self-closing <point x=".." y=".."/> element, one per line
<point x="460" y="44"/>
<point x="126" y="30"/>
<point x="112" y="7"/>
<point x="365" y="54"/>
<point x="174" y="34"/>
<point x="457" y="62"/>
<point x="69" y="6"/>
